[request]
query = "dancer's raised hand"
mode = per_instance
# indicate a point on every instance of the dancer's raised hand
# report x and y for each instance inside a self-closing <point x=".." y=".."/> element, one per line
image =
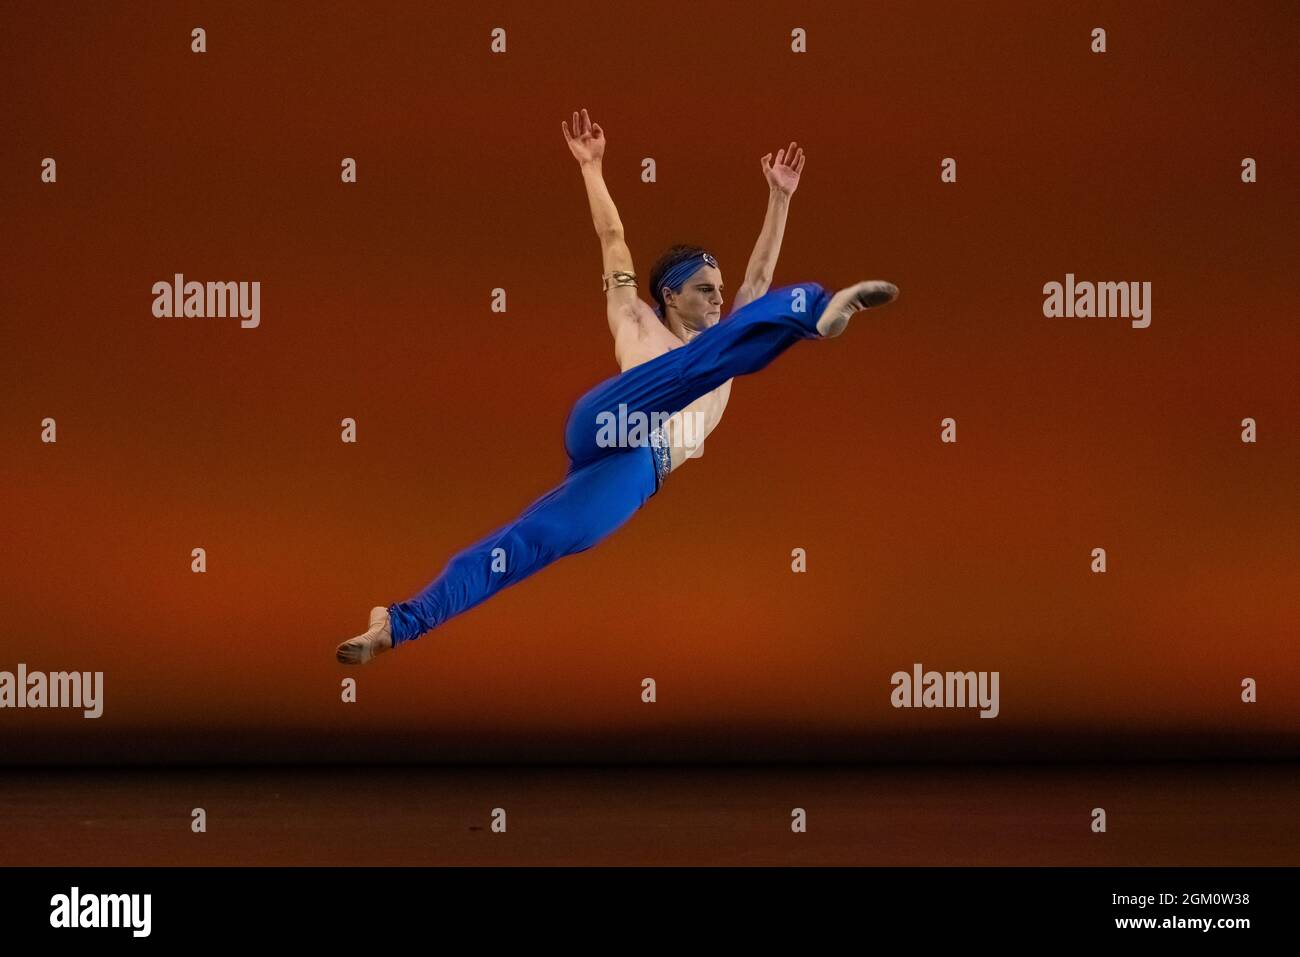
<point x="586" y="139"/>
<point x="783" y="175"/>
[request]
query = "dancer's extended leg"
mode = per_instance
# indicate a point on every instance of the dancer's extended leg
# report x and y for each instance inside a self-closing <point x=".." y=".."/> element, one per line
<point x="743" y="343"/>
<point x="592" y="502"/>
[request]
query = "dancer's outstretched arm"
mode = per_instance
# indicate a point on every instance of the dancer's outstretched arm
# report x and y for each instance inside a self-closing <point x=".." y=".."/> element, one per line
<point x="623" y="308"/>
<point x="782" y="180"/>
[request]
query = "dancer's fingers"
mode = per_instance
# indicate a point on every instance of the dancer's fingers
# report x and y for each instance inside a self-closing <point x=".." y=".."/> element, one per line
<point x="577" y="127"/>
<point x="766" y="162"/>
<point x="779" y="154"/>
<point x="599" y="131"/>
<point x="586" y="121"/>
<point x="790" y="152"/>
<point x="799" y="168"/>
<point x="565" y="126"/>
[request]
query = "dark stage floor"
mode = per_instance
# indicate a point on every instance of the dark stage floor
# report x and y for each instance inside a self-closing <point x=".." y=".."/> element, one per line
<point x="1185" y="814"/>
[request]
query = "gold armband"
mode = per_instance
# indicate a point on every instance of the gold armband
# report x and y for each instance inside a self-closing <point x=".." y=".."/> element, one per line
<point x="619" y="277"/>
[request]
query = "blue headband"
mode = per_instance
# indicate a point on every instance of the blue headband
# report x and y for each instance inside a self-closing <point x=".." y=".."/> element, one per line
<point x="676" y="277"/>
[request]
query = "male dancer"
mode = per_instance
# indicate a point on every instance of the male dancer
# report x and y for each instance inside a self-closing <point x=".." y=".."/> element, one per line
<point x="677" y="363"/>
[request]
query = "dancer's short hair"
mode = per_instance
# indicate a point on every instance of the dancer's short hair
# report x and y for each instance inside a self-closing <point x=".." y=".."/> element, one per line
<point x="668" y="271"/>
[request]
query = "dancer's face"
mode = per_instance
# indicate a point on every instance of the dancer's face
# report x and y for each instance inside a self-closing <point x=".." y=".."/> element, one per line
<point x="699" y="304"/>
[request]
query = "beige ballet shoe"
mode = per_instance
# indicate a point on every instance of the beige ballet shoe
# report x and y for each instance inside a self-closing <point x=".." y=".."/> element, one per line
<point x="863" y="295"/>
<point x="377" y="639"/>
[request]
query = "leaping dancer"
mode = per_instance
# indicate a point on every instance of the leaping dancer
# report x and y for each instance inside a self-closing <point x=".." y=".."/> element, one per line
<point x="677" y="362"/>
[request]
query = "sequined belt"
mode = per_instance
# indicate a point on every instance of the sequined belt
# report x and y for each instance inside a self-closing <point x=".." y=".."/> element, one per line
<point x="659" y="449"/>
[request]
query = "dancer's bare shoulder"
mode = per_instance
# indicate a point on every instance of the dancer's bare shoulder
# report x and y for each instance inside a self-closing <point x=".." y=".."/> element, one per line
<point x="641" y="336"/>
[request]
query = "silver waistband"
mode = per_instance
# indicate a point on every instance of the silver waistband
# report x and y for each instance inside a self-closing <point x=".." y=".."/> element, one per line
<point x="659" y="449"/>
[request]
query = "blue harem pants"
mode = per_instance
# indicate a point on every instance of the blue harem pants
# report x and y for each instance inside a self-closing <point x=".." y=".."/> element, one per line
<point x="607" y="483"/>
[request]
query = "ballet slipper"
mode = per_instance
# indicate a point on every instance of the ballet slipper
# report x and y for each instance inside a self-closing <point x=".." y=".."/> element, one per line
<point x="377" y="639"/>
<point x="863" y="295"/>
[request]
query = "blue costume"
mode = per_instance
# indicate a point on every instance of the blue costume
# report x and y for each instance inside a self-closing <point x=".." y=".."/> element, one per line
<point x="606" y="483"/>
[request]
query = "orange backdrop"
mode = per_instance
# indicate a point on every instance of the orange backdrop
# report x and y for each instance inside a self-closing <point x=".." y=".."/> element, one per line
<point x="1073" y="433"/>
